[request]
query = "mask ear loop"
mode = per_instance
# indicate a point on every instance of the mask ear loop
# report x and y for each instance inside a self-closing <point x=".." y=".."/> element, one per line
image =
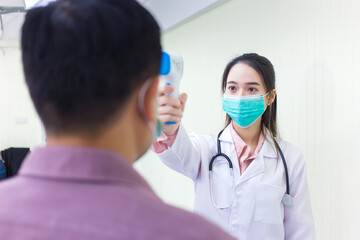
<point x="263" y="96"/>
<point x="268" y="94"/>
<point x="141" y="103"/>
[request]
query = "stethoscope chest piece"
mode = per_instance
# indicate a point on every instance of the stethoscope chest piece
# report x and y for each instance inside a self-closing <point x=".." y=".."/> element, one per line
<point x="287" y="200"/>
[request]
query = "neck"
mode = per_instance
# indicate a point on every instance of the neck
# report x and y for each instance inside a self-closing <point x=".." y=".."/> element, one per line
<point x="119" y="136"/>
<point x="249" y="135"/>
<point x="106" y="141"/>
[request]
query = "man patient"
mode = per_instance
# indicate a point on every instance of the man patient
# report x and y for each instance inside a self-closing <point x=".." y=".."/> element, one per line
<point x="91" y="67"/>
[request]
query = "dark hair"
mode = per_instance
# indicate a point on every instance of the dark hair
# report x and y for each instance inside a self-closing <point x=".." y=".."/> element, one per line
<point x="266" y="70"/>
<point x="83" y="59"/>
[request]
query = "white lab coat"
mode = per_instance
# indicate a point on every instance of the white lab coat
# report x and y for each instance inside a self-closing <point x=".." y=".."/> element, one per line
<point x="257" y="212"/>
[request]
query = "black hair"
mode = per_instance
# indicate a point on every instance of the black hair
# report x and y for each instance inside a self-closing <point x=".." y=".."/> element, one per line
<point x="266" y="70"/>
<point x="83" y="59"/>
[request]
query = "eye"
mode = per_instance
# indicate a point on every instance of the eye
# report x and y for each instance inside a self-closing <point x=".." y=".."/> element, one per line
<point x="252" y="90"/>
<point x="232" y="88"/>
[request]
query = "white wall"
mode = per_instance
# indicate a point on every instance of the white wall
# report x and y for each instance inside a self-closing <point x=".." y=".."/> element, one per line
<point x="19" y="126"/>
<point x="315" y="48"/>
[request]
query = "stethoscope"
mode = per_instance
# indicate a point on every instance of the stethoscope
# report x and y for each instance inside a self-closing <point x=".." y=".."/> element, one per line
<point x="286" y="200"/>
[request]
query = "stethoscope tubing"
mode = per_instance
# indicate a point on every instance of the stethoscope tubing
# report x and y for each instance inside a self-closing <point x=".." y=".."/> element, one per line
<point x="285" y="167"/>
<point x="220" y="154"/>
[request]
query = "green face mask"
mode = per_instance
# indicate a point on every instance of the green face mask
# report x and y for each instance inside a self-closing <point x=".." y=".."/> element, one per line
<point x="159" y="128"/>
<point x="244" y="110"/>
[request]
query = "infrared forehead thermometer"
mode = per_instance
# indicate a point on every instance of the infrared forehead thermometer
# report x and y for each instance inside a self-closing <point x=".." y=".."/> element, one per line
<point x="171" y="71"/>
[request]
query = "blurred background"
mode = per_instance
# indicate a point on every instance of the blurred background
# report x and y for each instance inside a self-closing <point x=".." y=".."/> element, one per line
<point x="314" y="46"/>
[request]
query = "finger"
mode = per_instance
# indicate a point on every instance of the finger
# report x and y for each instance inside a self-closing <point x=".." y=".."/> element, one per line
<point x="168" y="110"/>
<point x="169" y="118"/>
<point x="165" y="89"/>
<point x="169" y="100"/>
<point x="182" y="99"/>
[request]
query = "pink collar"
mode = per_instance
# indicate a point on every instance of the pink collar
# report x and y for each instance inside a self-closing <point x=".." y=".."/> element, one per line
<point x="243" y="150"/>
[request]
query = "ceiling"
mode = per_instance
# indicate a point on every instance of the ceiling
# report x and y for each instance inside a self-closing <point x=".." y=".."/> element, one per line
<point x="172" y="13"/>
<point x="21" y="3"/>
<point x="169" y="13"/>
<point x="12" y="3"/>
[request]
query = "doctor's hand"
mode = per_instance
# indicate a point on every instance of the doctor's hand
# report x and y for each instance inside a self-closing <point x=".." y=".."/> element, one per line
<point x="170" y="109"/>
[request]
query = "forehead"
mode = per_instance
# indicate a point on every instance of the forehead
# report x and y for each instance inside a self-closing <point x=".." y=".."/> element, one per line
<point x="242" y="73"/>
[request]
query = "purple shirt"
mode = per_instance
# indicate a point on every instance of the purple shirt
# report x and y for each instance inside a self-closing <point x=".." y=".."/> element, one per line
<point x="86" y="193"/>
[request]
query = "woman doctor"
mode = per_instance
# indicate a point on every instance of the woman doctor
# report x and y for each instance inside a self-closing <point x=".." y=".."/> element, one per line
<point x="245" y="194"/>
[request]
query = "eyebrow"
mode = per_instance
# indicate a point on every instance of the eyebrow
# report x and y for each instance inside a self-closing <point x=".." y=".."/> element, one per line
<point x="252" y="83"/>
<point x="248" y="83"/>
<point x="232" y="82"/>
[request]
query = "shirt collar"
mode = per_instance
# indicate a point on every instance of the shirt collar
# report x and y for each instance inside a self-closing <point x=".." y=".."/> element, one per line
<point x="80" y="164"/>
<point x="268" y="149"/>
<point x="239" y="143"/>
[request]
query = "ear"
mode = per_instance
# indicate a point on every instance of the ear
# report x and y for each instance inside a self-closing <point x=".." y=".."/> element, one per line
<point x="150" y="99"/>
<point x="272" y="96"/>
